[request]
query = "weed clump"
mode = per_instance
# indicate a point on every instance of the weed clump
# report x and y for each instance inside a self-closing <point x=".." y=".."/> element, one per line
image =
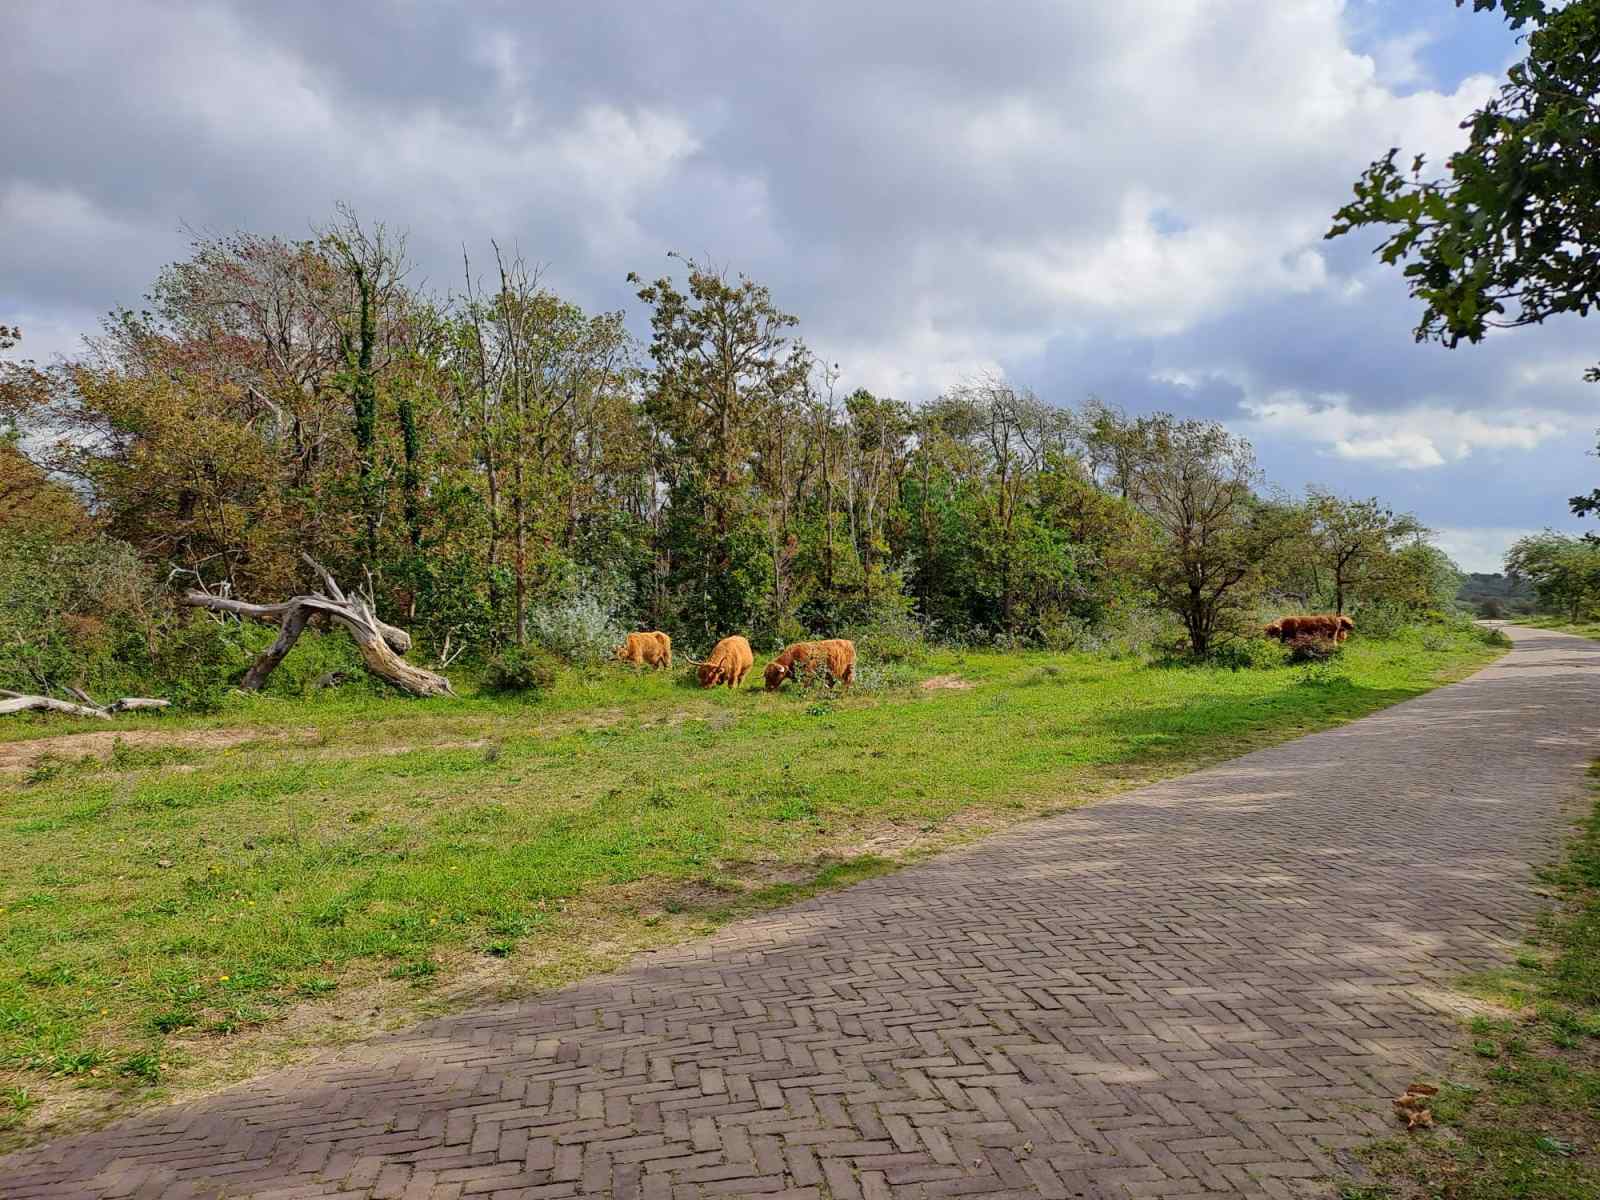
<point x="1308" y="648"/>
<point x="521" y="670"/>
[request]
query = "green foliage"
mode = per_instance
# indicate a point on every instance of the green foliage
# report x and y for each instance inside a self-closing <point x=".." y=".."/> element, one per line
<point x="70" y="607"/>
<point x="501" y="468"/>
<point x="1197" y="484"/>
<point x="895" y="637"/>
<point x="522" y="670"/>
<point x="1564" y="572"/>
<point x="1382" y="619"/>
<point x="1311" y="649"/>
<point x="1246" y="654"/>
<point x="1508" y="234"/>
<point x="1355" y="542"/>
<point x="578" y="623"/>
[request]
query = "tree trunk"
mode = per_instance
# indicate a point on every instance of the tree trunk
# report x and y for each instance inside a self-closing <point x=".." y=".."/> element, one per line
<point x="294" y="624"/>
<point x="364" y="402"/>
<point x="411" y="476"/>
<point x="381" y="644"/>
<point x="520" y="552"/>
<point x="15" y="702"/>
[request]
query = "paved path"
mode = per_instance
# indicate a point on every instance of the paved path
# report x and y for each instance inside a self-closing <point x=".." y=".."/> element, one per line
<point x="1207" y="987"/>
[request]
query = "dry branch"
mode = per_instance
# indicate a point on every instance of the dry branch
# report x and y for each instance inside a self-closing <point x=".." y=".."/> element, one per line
<point x="380" y="643"/>
<point x="15" y="702"/>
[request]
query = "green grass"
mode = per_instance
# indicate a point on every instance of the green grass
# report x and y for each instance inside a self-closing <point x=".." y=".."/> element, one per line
<point x="1521" y="1119"/>
<point x="165" y="906"/>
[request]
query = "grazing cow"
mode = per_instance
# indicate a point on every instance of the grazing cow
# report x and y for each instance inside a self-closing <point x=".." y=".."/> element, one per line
<point x="652" y="649"/>
<point x="794" y="658"/>
<point x="1318" y="625"/>
<point x="729" y="662"/>
<point x="841" y="659"/>
<point x="836" y="656"/>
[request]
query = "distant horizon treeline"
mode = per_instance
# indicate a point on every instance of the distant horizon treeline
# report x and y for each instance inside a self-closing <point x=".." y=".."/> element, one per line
<point x="497" y="461"/>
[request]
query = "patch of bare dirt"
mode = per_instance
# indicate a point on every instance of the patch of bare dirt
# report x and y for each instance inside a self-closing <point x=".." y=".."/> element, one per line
<point x="19" y="757"/>
<point x="946" y="683"/>
<point x="899" y="840"/>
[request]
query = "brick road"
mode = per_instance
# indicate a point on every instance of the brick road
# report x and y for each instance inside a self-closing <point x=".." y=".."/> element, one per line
<point x="1207" y="987"/>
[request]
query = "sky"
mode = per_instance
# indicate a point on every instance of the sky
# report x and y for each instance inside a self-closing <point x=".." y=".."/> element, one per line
<point x="1123" y="198"/>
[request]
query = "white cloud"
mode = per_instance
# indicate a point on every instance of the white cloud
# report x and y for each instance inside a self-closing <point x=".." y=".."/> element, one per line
<point x="1398" y="59"/>
<point x="1412" y="438"/>
<point x="1479" y="549"/>
<point x="989" y="180"/>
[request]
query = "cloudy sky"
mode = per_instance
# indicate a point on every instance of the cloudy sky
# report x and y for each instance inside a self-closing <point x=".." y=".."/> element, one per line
<point x="1118" y="197"/>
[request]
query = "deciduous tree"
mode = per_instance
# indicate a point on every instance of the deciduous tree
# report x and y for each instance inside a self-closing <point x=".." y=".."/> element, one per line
<point x="1508" y="233"/>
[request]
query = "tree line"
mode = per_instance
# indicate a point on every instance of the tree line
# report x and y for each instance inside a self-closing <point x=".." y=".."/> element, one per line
<point x="491" y="458"/>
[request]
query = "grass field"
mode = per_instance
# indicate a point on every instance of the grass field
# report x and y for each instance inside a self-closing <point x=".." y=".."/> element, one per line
<point x="1520" y="1117"/>
<point x="186" y="900"/>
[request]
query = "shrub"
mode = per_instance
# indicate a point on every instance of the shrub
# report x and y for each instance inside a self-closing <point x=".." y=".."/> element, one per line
<point x="521" y="669"/>
<point x="1308" y="648"/>
<point x="1383" y="620"/>
<point x="68" y="606"/>
<point x="1246" y="654"/>
<point x="1130" y="632"/>
<point x="199" y="657"/>
<point x="895" y="637"/>
<point x="886" y="676"/>
<point x="578" y="625"/>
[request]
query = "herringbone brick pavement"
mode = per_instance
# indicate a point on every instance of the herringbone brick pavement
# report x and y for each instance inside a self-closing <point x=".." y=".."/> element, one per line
<point x="1207" y="987"/>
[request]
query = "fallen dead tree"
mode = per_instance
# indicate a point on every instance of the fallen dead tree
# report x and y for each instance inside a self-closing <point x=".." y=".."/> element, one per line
<point x="380" y="643"/>
<point x="15" y="702"/>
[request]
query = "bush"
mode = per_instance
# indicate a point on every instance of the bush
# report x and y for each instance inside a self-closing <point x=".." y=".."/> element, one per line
<point x="521" y="670"/>
<point x="887" y="676"/>
<point x="317" y="655"/>
<point x="1308" y="648"/>
<point x="1383" y="620"/>
<point x="892" y="638"/>
<point x="199" y="658"/>
<point x="1246" y="654"/>
<point x="1130" y="632"/>
<point x="578" y="626"/>
<point x="68" y="607"/>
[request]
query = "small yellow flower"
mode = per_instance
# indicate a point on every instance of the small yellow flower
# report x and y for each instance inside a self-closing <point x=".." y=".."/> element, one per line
<point x="433" y="920"/>
<point x="222" y="979"/>
<point x="252" y="903"/>
<point x="104" y="1011"/>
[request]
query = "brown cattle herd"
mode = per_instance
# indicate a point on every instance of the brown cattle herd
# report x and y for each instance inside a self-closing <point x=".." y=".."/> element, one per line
<point x="834" y="659"/>
<point x="730" y="660"/>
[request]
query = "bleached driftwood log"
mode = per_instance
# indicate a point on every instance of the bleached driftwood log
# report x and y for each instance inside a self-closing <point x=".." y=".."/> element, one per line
<point x="380" y="643"/>
<point x="15" y="702"/>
